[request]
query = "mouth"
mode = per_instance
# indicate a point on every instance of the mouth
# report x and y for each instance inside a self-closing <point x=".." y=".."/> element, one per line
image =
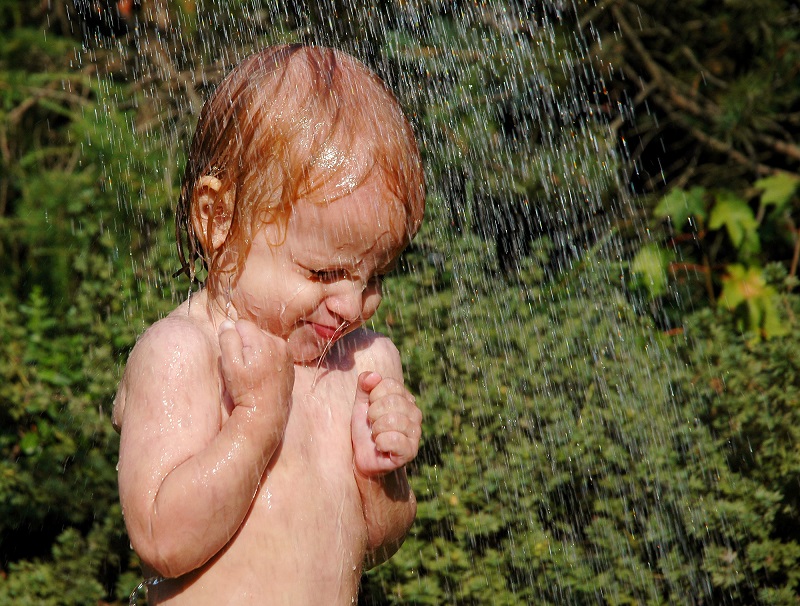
<point x="330" y="333"/>
<point x="326" y="332"/>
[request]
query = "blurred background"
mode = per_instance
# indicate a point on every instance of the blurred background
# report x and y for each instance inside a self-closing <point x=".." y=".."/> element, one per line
<point x="599" y="317"/>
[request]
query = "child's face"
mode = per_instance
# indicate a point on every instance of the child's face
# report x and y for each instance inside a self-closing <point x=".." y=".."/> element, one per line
<point x="324" y="278"/>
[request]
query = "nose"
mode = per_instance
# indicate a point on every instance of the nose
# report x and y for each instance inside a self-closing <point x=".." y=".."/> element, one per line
<point x="346" y="300"/>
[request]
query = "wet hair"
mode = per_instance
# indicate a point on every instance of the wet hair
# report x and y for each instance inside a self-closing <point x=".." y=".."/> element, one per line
<point x="293" y="122"/>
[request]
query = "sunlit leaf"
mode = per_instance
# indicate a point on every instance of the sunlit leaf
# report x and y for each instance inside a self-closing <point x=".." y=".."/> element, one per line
<point x="740" y="285"/>
<point x="737" y="217"/>
<point x="778" y="189"/>
<point x="747" y="287"/>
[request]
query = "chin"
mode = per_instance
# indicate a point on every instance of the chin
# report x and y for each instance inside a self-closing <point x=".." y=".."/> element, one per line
<point x="306" y="352"/>
<point x="306" y="360"/>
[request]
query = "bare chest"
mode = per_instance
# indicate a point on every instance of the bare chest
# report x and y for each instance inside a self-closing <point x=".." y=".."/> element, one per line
<point x="308" y="491"/>
<point x="304" y="538"/>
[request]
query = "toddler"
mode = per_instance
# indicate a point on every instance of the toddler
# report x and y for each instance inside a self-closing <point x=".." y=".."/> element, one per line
<point x="264" y="431"/>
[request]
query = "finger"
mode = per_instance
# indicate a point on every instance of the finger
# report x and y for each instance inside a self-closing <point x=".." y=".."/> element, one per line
<point x="360" y="430"/>
<point x="374" y="463"/>
<point x="230" y="345"/>
<point x="394" y="422"/>
<point x="254" y="341"/>
<point x="367" y="381"/>
<point x="389" y="387"/>
<point x="401" y="448"/>
<point x="400" y="404"/>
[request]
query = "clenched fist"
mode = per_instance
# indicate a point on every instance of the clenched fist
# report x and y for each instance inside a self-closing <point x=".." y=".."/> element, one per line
<point x="385" y="427"/>
<point x="256" y="367"/>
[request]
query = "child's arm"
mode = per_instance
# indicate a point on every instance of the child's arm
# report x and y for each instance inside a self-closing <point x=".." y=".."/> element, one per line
<point x="386" y="428"/>
<point x="186" y="480"/>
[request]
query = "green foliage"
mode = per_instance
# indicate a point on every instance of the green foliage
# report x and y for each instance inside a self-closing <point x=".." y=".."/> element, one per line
<point x="72" y="171"/>
<point x="747" y="287"/>
<point x="680" y="206"/>
<point x="566" y="453"/>
<point x="572" y="453"/>
<point x="747" y="394"/>
<point x="733" y="213"/>
<point x="649" y="267"/>
<point x="778" y="190"/>
<point x="508" y="133"/>
<point x="58" y="451"/>
<point x="707" y="100"/>
<point x="729" y="244"/>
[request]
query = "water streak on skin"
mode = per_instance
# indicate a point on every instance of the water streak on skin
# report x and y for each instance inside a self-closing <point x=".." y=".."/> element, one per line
<point x="285" y="304"/>
<point x="340" y="540"/>
<point x="328" y="345"/>
<point x="337" y="333"/>
<point x="228" y="303"/>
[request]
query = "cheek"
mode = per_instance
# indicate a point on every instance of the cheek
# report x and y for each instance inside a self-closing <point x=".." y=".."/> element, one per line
<point x="301" y="299"/>
<point x="372" y="301"/>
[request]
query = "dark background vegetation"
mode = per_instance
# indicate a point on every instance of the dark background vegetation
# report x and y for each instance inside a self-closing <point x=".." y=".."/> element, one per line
<point x="611" y="387"/>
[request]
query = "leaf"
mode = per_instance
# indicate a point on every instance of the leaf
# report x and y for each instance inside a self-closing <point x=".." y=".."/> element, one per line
<point x="680" y="205"/>
<point x="747" y="286"/>
<point x="740" y="285"/>
<point x="738" y="219"/>
<point x="771" y="324"/>
<point x="778" y="189"/>
<point x="29" y="442"/>
<point x="650" y="268"/>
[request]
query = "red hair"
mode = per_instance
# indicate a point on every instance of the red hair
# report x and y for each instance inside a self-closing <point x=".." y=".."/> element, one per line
<point x="294" y="122"/>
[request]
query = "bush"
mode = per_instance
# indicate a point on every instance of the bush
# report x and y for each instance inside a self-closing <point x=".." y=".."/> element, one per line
<point x="573" y="454"/>
<point x="69" y="304"/>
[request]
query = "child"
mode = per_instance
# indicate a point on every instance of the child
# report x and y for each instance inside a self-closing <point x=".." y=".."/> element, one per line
<point x="264" y="432"/>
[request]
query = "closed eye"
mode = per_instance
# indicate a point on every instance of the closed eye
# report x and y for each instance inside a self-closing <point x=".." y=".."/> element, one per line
<point x="329" y="276"/>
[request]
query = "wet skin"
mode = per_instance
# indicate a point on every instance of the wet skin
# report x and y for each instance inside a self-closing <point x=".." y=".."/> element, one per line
<point x="247" y="473"/>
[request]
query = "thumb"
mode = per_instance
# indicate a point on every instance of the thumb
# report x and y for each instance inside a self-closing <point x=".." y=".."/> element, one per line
<point x="367" y="381"/>
<point x="359" y="424"/>
<point x="230" y="344"/>
<point x="251" y="338"/>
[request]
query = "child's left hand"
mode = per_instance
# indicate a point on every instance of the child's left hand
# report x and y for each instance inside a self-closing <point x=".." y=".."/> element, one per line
<point x="385" y="427"/>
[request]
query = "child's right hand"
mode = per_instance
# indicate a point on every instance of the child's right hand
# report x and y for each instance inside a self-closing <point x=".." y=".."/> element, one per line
<point x="256" y="367"/>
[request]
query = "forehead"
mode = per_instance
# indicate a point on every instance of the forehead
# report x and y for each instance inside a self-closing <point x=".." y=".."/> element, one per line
<point x="337" y="123"/>
<point x="368" y="224"/>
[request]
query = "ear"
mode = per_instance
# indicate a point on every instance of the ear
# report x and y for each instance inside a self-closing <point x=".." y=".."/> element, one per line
<point x="212" y="212"/>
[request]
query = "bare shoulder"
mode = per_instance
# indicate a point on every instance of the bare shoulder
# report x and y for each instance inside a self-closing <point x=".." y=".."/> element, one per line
<point x="374" y="351"/>
<point x="175" y="345"/>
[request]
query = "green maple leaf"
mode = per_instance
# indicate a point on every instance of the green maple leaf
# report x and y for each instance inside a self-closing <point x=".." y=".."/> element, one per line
<point x="746" y="287"/>
<point x="778" y="189"/>
<point x="649" y="266"/>
<point x="740" y="284"/>
<point x="733" y="213"/>
<point x="679" y="205"/>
